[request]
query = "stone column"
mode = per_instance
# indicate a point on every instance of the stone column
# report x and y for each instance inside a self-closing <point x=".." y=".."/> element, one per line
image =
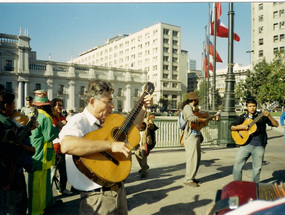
<point x="20" y="95"/>
<point x="128" y="98"/>
<point x="49" y="89"/>
<point x="72" y="95"/>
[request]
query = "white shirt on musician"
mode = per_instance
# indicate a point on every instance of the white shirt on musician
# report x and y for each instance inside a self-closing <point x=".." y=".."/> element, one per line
<point x="79" y="125"/>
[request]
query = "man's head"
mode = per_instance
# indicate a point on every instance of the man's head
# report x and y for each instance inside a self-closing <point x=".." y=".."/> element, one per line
<point x="251" y="106"/>
<point x="7" y="105"/>
<point x="99" y="98"/>
<point x="57" y="106"/>
<point x="193" y="98"/>
<point x="29" y="100"/>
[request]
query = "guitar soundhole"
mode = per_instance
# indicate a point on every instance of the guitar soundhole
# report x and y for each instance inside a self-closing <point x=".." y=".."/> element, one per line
<point x="119" y="135"/>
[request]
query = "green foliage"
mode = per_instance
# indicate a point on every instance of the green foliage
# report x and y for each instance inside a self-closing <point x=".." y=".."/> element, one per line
<point x="266" y="83"/>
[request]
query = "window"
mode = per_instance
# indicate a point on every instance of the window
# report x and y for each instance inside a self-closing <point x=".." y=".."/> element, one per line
<point x="174" y="85"/>
<point x="275" y="50"/>
<point x="136" y="93"/>
<point x="260" y="18"/>
<point x="281" y="12"/>
<point x="165" y="58"/>
<point x="260" y="53"/>
<point x="260" y="6"/>
<point x="82" y="89"/>
<point x="119" y="91"/>
<point x="154" y="68"/>
<point x="175" y="33"/>
<point x="165" y="76"/>
<point x="139" y="38"/>
<point x="275" y="38"/>
<point x="165" y="84"/>
<point x="275" y="14"/>
<point x="9" y="86"/>
<point x="174" y="68"/>
<point x="175" y="42"/>
<point x="174" y="51"/>
<point x="261" y="41"/>
<point x="165" y="49"/>
<point x="60" y="89"/>
<point x="275" y="26"/>
<point x="165" y="67"/>
<point x="38" y="86"/>
<point x="260" y="30"/>
<point x="282" y="49"/>
<point x="174" y="77"/>
<point x="175" y="59"/>
<point x="165" y="31"/>
<point x="165" y="41"/>
<point x="8" y="65"/>
<point x="282" y="38"/>
<point x="282" y="25"/>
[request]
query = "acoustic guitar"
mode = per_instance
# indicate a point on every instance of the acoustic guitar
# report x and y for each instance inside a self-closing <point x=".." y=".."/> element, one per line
<point x="199" y="125"/>
<point x="107" y="168"/>
<point x="241" y="137"/>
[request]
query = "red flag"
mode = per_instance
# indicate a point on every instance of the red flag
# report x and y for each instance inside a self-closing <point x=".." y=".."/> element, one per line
<point x="218" y="14"/>
<point x="207" y="64"/>
<point x="218" y="58"/>
<point x="223" y="31"/>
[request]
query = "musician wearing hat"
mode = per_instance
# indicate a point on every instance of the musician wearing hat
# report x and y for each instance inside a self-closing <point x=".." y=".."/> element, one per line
<point x="26" y="110"/>
<point x="192" y="139"/>
<point x="40" y="188"/>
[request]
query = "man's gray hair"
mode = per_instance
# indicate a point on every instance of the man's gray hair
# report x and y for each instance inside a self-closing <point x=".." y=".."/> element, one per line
<point x="96" y="89"/>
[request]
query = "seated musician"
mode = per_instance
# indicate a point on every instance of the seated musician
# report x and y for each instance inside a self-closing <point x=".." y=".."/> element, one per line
<point x="95" y="199"/>
<point x="256" y="144"/>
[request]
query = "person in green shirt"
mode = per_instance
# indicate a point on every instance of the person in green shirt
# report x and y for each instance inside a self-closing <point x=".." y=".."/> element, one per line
<point x="39" y="182"/>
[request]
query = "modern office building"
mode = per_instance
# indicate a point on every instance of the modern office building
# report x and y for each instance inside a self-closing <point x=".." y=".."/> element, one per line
<point x="22" y="73"/>
<point x="267" y="30"/>
<point x="156" y="50"/>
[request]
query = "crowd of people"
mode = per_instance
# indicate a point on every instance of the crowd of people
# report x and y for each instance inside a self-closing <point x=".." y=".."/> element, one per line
<point x="52" y="142"/>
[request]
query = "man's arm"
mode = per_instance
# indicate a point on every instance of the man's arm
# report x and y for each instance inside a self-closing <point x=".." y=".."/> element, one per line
<point x="273" y="121"/>
<point x="80" y="146"/>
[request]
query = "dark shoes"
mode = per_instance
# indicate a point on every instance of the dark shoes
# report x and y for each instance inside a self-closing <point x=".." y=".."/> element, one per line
<point x="144" y="175"/>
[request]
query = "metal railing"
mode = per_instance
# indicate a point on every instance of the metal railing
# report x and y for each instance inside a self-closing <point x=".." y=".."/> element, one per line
<point x="168" y="133"/>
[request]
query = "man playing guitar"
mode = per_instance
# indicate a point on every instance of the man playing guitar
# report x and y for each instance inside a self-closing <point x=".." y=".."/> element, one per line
<point x="255" y="146"/>
<point x="111" y="199"/>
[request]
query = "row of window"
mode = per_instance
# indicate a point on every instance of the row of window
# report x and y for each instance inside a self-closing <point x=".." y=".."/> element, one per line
<point x="260" y="6"/>
<point x="167" y="31"/>
<point x="276" y="26"/>
<point x="276" y="14"/>
<point x="276" y="38"/>
<point x="174" y="77"/>
<point x="275" y="50"/>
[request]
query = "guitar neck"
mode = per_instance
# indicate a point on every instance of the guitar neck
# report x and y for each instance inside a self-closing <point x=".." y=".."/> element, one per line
<point x="256" y="119"/>
<point x="133" y="114"/>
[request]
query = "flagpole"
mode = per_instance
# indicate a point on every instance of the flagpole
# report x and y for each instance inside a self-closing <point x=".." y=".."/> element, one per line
<point x="228" y="114"/>
<point x="214" y="108"/>
<point x="208" y="68"/>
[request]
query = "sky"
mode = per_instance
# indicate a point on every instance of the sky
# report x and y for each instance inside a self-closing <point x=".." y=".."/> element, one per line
<point x="64" y="30"/>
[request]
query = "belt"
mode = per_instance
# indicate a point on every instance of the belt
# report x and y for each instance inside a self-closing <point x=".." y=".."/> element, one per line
<point x="112" y="188"/>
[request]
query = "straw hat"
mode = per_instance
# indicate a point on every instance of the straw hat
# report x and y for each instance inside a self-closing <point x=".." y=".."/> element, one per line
<point x="192" y="96"/>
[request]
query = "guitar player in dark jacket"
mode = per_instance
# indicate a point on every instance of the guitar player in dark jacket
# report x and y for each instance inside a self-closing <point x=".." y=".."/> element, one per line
<point x="95" y="198"/>
<point x="256" y="143"/>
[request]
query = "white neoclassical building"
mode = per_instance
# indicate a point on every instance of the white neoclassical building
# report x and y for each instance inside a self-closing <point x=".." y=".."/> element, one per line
<point x="22" y="73"/>
<point x="156" y="50"/>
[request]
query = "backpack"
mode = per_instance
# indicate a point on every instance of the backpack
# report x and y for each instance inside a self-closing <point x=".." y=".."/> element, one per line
<point x="181" y="122"/>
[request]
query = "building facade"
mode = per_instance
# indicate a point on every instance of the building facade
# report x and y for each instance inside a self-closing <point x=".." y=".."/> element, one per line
<point x="267" y="30"/>
<point x="156" y="50"/>
<point x="22" y="73"/>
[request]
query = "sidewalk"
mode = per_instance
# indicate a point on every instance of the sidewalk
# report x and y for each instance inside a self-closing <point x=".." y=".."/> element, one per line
<point x="163" y="192"/>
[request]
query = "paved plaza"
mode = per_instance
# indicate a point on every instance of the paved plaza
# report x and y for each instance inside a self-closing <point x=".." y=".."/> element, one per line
<point x="163" y="192"/>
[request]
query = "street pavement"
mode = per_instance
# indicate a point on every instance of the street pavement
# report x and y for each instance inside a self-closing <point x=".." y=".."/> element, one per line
<point x="163" y="191"/>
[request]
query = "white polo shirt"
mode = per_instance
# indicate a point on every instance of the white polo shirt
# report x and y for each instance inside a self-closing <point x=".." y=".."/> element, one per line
<point x="78" y="126"/>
